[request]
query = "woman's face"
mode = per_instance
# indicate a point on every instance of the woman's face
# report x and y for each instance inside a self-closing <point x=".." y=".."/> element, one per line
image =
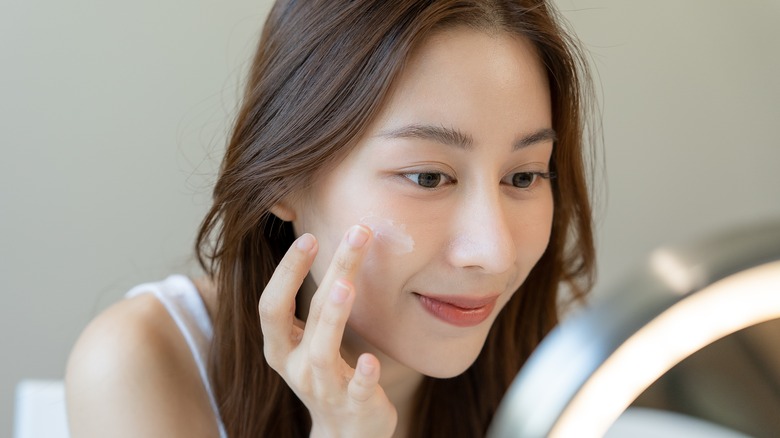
<point x="447" y="178"/>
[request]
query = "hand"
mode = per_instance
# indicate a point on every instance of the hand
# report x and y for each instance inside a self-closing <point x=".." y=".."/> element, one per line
<point x="342" y="401"/>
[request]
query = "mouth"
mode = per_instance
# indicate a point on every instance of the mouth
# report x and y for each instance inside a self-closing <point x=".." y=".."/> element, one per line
<point x="460" y="311"/>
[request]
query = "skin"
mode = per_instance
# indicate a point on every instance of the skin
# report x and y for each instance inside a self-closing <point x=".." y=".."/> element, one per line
<point x="131" y="374"/>
<point x="366" y="341"/>
<point x="475" y="234"/>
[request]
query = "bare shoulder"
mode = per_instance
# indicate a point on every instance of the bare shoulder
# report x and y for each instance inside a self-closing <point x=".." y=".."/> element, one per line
<point x="131" y="374"/>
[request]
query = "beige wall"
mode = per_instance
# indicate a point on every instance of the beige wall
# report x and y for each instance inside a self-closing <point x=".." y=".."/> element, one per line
<point x="112" y="118"/>
<point x="691" y="93"/>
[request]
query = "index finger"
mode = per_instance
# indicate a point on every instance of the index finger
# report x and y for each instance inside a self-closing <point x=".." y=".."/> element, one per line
<point x="277" y="302"/>
<point x="346" y="261"/>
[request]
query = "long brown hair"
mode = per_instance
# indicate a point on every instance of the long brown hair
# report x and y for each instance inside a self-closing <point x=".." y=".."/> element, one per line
<point x="321" y="74"/>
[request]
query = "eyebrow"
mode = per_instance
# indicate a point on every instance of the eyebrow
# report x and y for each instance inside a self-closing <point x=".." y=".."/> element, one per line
<point x="454" y="137"/>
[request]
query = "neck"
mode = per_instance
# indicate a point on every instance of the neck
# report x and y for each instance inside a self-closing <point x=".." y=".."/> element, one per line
<point x="401" y="386"/>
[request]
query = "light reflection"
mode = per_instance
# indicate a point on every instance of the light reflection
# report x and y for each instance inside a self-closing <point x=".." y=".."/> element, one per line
<point x="731" y="304"/>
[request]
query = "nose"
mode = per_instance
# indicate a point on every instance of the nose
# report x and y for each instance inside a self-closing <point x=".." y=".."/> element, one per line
<point x="482" y="236"/>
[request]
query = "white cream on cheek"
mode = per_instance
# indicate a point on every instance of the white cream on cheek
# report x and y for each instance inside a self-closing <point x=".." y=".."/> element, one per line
<point x="393" y="236"/>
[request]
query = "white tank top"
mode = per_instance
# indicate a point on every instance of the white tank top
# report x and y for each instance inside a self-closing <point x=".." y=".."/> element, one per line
<point x="183" y="302"/>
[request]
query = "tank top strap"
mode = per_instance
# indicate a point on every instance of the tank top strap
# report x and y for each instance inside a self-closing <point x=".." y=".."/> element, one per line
<point x="181" y="299"/>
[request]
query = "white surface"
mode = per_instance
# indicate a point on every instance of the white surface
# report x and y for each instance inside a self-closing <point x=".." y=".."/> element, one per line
<point x="652" y="423"/>
<point x="40" y="410"/>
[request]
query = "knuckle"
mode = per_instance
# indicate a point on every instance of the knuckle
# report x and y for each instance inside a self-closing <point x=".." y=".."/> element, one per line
<point x="285" y="269"/>
<point x="363" y="386"/>
<point x="268" y="310"/>
<point x="360" y="394"/>
<point x="344" y="263"/>
<point x="361" y="382"/>
<point x="271" y="357"/>
<point x="300" y="382"/>
<point x="331" y="319"/>
<point x="301" y="379"/>
<point x="319" y="361"/>
<point x="315" y="306"/>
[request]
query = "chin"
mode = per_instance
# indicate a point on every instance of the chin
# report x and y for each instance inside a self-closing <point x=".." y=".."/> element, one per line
<point x="433" y="356"/>
<point x="447" y="373"/>
<point x="443" y="367"/>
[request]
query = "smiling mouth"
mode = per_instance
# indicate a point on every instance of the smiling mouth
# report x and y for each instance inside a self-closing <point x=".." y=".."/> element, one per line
<point x="457" y="310"/>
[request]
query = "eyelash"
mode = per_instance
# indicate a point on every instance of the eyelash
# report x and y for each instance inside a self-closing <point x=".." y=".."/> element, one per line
<point x="440" y="175"/>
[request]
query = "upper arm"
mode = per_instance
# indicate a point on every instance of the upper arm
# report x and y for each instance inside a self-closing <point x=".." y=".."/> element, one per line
<point x="130" y="374"/>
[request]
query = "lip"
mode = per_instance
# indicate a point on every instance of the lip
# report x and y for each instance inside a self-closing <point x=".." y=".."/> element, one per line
<point x="457" y="310"/>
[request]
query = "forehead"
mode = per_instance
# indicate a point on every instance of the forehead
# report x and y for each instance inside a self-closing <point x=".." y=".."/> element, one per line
<point x="472" y="80"/>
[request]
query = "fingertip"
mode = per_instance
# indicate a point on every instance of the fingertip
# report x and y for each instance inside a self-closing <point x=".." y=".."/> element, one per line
<point x="368" y="365"/>
<point x="306" y="242"/>
<point x="358" y="236"/>
<point x="366" y="380"/>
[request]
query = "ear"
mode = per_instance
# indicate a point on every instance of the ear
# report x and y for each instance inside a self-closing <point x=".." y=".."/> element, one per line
<point x="283" y="211"/>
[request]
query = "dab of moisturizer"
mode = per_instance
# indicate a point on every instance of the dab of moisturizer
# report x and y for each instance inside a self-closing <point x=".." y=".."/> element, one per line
<point x="392" y="235"/>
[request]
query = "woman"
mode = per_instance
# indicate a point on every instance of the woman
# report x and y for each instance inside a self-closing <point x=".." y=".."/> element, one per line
<point x="402" y="196"/>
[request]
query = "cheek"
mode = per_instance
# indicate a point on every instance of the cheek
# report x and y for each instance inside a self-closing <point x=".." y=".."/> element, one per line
<point x="532" y="235"/>
<point x="542" y="223"/>
<point x="390" y="243"/>
<point x="405" y="228"/>
<point x="389" y="236"/>
<point x="398" y="251"/>
<point x="537" y="227"/>
<point x="328" y="230"/>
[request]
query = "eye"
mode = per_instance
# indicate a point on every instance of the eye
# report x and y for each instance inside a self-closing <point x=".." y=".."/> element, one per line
<point x="428" y="180"/>
<point x="525" y="180"/>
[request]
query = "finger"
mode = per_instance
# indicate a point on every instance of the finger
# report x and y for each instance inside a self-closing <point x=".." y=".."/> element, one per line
<point x="324" y="354"/>
<point x="344" y="265"/>
<point x="365" y="383"/>
<point x="277" y="302"/>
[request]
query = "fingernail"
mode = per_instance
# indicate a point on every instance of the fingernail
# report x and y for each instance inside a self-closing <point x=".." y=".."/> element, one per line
<point x="339" y="293"/>
<point x="358" y="236"/>
<point x="365" y="369"/>
<point x="305" y="243"/>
